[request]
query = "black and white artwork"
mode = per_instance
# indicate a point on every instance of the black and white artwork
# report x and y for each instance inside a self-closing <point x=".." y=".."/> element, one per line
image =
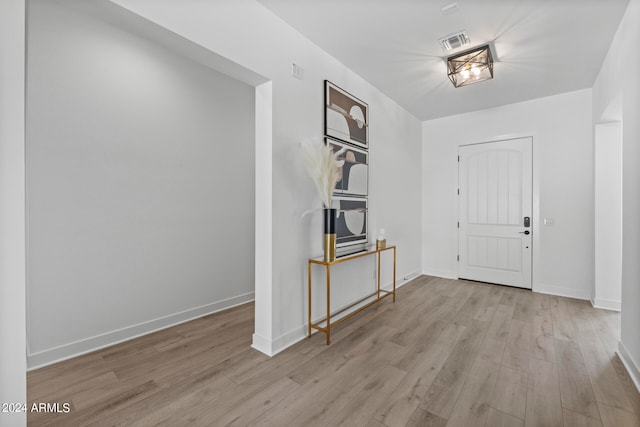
<point x="346" y="117"/>
<point x="351" y="221"/>
<point x="354" y="169"/>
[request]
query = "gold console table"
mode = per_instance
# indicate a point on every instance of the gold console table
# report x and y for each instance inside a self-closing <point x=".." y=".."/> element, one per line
<point x="379" y="294"/>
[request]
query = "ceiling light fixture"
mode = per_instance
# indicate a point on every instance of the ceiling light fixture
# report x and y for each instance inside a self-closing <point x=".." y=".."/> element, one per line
<point x="469" y="67"/>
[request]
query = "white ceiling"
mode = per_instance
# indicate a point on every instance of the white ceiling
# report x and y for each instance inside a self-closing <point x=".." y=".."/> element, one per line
<point x="543" y="47"/>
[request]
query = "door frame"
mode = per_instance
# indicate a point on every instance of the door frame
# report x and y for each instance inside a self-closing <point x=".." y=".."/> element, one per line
<point x="535" y="200"/>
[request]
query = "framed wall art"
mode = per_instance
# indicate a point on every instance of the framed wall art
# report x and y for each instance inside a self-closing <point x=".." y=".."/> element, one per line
<point x="351" y="221"/>
<point x="346" y="117"/>
<point x="354" y="172"/>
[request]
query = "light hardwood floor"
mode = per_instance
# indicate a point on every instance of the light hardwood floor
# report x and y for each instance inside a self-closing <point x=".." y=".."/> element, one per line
<point x="448" y="353"/>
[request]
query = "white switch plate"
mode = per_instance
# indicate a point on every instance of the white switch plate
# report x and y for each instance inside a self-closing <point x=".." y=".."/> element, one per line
<point x="548" y="221"/>
<point x="297" y="71"/>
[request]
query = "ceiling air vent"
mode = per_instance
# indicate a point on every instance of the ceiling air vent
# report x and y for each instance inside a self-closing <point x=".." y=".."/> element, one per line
<point x="449" y="8"/>
<point x="455" y="41"/>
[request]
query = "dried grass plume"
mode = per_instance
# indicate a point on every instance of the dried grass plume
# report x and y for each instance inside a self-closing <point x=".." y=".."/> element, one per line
<point x="323" y="167"/>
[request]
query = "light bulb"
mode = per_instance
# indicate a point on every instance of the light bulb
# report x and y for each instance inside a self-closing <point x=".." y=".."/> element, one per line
<point x="464" y="74"/>
<point x="475" y="71"/>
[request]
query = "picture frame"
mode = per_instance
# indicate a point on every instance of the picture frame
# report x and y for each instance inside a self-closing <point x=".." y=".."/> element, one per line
<point x="354" y="178"/>
<point x="351" y="221"/>
<point x="346" y="117"/>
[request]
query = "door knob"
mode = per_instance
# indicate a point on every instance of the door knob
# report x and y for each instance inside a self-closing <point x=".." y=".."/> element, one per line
<point x="524" y="232"/>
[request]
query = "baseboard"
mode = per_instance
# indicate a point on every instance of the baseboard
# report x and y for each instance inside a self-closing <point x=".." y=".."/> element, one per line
<point x="77" y="348"/>
<point x="407" y="278"/>
<point x="630" y="364"/>
<point x="445" y="274"/>
<point x="297" y="334"/>
<point x="607" y="304"/>
<point x="262" y="344"/>
<point x="562" y="291"/>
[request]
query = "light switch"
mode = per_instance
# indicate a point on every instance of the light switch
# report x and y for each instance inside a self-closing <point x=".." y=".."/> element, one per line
<point x="297" y="71"/>
<point x="548" y="221"/>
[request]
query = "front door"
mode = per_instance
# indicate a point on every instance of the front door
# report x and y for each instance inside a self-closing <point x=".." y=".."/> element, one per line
<point x="495" y="227"/>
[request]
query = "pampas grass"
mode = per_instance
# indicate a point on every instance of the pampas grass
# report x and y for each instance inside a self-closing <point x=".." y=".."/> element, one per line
<point x="323" y="167"/>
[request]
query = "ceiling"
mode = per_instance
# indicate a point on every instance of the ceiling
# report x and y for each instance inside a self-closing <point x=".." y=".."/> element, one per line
<point x="541" y="47"/>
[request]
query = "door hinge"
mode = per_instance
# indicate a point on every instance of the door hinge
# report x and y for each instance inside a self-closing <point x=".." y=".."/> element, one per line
<point x="458" y="224"/>
<point x="458" y="191"/>
<point x="458" y="258"/>
<point x="458" y="158"/>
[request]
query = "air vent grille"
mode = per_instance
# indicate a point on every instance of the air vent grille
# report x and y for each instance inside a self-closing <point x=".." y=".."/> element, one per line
<point x="455" y="41"/>
<point x="450" y="8"/>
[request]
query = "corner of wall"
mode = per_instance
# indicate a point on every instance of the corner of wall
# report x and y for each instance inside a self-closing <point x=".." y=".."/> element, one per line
<point x="632" y="367"/>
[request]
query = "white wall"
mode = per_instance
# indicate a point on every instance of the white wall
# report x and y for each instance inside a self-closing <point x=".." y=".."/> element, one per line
<point x="13" y="360"/>
<point x="140" y="189"/>
<point x="562" y="186"/>
<point x="608" y="215"/>
<point x="247" y="33"/>
<point x="617" y="79"/>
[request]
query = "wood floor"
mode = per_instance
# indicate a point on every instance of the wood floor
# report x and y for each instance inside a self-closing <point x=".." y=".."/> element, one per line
<point x="448" y="353"/>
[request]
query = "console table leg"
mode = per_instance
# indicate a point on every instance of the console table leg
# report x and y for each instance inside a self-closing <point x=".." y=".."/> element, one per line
<point x="378" y="259"/>
<point x="309" y="293"/>
<point x="328" y="304"/>
<point x="394" y="274"/>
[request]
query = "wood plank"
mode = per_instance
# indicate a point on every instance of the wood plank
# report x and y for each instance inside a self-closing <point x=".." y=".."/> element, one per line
<point x="523" y="312"/>
<point x="443" y="393"/>
<point x="606" y="385"/>
<point x="501" y="322"/>
<point x="167" y="404"/>
<point x="627" y="383"/>
<point x="332" y="358"/>
<point x="542" y="325"/>
<point x="510" y="394"/>
<point x="575" y="385"/>
<point x="252" y="407"/>
<point x="563" y="326"/>
<point x="375" y="423"/>
<point x="574" y="419"/>
<point x="474" y="306"/>
<point x="423" y="344"/>
<point x="544" y="407"/>
<point x="325" y="395"/>
<point x="614" y="417"/>
<point x="363" y="405"/>
<point x="472" y="407"/>
<point x="518" y="348"/>
<point x="407" y="397"/>
<point x="500" y="419"/>
<point x="413" y="328"/>
<point x="422" y="418"/>
<point x="542" y="347"/>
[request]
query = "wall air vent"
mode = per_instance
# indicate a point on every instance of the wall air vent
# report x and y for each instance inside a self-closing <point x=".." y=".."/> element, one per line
<point x="455" y="41"/>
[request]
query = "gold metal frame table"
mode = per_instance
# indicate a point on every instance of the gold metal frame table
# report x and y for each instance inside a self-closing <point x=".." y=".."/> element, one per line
<point x="380" y="293"/>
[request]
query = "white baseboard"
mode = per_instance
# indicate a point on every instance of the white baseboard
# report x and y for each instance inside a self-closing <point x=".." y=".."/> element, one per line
<point x="607" y="304"/>
<point x="262" y="344"/>
<point x="407" y="278"/>
<point x="562" y="291"/>
<point x="632" y="367"/>
<point x="286" y="340"/>
<point x="445" y="274"/>
<point x="87" y="345"/>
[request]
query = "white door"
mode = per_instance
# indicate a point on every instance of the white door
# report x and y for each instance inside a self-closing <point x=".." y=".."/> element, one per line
<point x="495" y="227"/>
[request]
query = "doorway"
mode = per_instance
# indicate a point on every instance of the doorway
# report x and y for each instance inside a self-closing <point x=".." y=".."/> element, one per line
<point x="495" y="224"/>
